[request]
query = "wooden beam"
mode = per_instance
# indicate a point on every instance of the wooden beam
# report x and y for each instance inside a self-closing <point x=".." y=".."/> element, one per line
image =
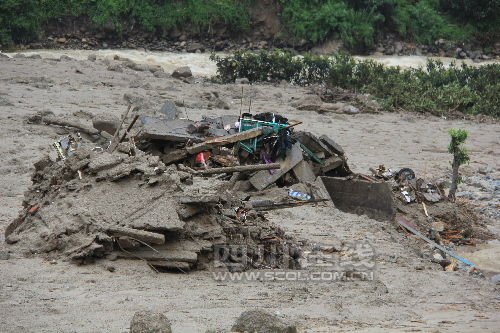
<point x="145" y="236"/>
<point x="224" y="140"/>
<point x="263" y="179"/>
<point x="239" y="168"/>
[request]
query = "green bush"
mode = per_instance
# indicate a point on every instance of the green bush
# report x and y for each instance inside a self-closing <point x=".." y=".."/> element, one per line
<point x="21" y="21"/>
<point x="315" y="21"/>
<point x="436" y="89"/>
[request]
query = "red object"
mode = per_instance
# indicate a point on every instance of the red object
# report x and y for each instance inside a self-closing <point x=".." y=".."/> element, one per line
<point x="33" y="209"/>
<point x="200" y="159"/>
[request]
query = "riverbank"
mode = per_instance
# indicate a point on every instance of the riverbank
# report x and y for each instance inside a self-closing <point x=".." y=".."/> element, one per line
<point x="200" y="63"/>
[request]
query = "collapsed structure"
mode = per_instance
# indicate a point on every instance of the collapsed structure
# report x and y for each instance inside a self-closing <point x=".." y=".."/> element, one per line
<point x="170" y="191"/>
<point x="175" y="192"/>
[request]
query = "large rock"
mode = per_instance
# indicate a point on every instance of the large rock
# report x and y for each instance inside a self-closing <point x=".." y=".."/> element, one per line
<point x="193" y="47"/>
<point x="261" y="322"/>
<point x="150" y="322"/>
<point x="182" y="72"/>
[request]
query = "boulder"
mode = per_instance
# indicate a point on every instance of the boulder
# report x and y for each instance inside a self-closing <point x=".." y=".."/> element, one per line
<point x="150" y="322"/>
<point x="262" y="322"/>
<point x="193" y="47"/>
<point x="182" y="72"/>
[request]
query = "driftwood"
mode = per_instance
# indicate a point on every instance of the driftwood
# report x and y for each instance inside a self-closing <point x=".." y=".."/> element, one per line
<point x="114" y="141"/>
<point x="145" y="236"/>
<point x="49" y="120"/>
<point x="266" y="205"/>
<point x="263" y="179"/>
<point x="239" y="168"/>
<point x="221" y="141"/>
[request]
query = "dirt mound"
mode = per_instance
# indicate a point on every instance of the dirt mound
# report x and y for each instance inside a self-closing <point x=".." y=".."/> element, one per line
<point x="99" y="204"/>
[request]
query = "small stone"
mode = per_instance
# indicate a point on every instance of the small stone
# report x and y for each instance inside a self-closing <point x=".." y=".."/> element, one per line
<point x="242" y="80"/>
<point x="150" y="322"/>
<point x="111" y="268"/>
<point x="61" y="40"/>
<point x="182" y="72"/>
<point x="495" y="279"/>
<point x="4" y="255"/>
<point x="92" y="57"/>
<point x="349" y="109"/>
<point x="160" y="74"/>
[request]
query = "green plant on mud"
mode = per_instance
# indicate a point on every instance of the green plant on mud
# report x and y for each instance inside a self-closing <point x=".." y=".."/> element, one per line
<point x="436" y="88"/>
<point x="460" y="157"/>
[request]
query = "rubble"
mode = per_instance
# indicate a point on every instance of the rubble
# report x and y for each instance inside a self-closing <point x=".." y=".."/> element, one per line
<point x="173" y="192"/>
<point x="136" y="197"/>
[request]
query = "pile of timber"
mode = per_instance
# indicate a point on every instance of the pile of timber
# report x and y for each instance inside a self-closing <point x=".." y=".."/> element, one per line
<point x="179" y="141"/>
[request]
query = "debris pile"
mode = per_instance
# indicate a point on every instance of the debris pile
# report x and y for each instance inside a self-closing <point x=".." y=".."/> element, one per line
<point x="181" y="194"/>
<point x="173" y="192"/>
<point x="434" y="219"/>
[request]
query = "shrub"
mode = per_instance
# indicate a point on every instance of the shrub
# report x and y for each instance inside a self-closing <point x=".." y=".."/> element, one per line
<point x="435" y="89"/>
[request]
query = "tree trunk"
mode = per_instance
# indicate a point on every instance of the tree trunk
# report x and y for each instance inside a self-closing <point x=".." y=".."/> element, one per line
<point x="454" y="179"/>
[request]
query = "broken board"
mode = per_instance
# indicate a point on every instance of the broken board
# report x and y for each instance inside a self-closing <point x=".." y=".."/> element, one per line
<point x="304" y="172"/>
<point x="264" y="178"/>
<point x="167" y="130"/>
<point x="361" y="197"/>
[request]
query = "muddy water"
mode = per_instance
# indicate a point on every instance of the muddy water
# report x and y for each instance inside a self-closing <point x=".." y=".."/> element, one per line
<point x="201" y="65"/>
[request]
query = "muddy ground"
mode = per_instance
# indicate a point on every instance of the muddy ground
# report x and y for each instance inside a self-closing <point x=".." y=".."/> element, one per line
<point x="408" y="294"/>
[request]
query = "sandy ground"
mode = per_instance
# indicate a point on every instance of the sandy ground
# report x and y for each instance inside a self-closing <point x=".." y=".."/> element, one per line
<point x="408" y="294"/>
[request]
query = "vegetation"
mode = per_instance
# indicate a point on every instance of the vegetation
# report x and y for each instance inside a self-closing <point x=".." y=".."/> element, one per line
<point x="357" y="22"/>
<point x="460" y="156"/>
<point x="22" y="20"/>
<point x="436" y="89"/>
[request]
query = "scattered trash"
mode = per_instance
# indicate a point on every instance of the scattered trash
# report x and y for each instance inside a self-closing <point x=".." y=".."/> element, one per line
<point x="299" y="195"/>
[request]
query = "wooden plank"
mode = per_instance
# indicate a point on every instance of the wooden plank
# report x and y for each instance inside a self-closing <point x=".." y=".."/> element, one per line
<point x="263" y="179"/>
<point x="239" y="168"/>
<point x="402" y="221"/>
<point x="170" y="265"/>
<point x="331" y="163"/>
<point x="167" y="130"/>
<point x="145" y="236"/>
<point x="313" y="143"/>
<point x="163" y="255"/>
<point x="304" y="172"/>
<point x="224" y="140"/>
<point x="332" y="145"/>
<point x="174" y="156"/>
